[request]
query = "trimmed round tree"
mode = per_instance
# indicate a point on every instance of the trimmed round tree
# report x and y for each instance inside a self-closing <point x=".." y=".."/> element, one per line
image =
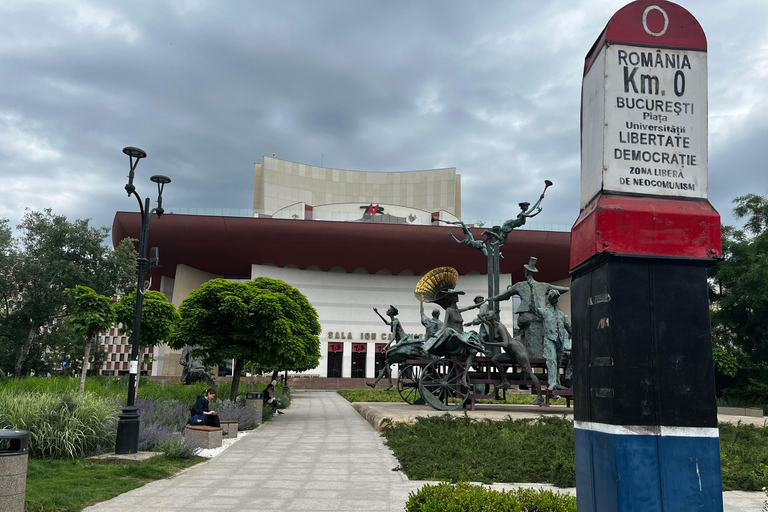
<point x="158" y="318"/>
<point x="89" y="314"/>
<point x="266" y="322"/>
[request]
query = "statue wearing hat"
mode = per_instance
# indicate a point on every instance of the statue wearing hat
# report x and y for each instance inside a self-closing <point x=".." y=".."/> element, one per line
<point x="532" y="298"/>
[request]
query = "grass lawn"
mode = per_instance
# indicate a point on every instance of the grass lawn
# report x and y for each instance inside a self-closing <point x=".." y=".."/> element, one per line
<point x="458" y="449"/>
<point x="71" y="485"/>
<point x="370" y="395"/>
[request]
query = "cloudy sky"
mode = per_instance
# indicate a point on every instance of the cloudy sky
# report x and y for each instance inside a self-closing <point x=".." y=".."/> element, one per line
<point x="207" y="88"/>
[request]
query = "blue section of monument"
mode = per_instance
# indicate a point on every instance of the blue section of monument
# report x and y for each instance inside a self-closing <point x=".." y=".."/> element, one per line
<point x="647" y="473"/>
<point x="644" y="387"/>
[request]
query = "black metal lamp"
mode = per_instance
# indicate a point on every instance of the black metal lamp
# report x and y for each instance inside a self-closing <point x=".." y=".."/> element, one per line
<point x="128" y="421"/>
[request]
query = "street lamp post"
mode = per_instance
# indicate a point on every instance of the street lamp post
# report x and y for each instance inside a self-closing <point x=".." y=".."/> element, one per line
<point x="128" y="421"/>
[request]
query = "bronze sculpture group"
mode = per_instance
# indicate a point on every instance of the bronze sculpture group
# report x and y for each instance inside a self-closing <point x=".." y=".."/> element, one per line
<point x="544" y="329"/>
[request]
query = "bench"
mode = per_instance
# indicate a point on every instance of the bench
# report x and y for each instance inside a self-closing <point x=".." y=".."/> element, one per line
<point x="207" y="437"/>
<point x="230" y="429"/>
<point x="563" y="393"/>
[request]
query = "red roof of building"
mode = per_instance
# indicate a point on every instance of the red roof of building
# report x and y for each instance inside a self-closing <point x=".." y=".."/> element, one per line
<point x="228" y="246"/>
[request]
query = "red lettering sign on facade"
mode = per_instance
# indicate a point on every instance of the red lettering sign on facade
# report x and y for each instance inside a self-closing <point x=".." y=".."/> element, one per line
<point x="359" y="347"/>
<point x="380" y="347"/>
<point x="335" y="347"/>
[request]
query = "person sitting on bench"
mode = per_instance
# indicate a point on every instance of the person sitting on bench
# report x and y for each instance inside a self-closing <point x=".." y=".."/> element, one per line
<point x="201" y="413"/>
<point x="269" y="398"/>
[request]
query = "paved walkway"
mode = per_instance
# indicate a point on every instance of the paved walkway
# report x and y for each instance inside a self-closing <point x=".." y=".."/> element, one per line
<point x="320" y="455"/>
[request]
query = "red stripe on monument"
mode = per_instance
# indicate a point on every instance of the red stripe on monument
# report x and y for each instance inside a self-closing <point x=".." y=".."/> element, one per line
<point x="642" y="226"/>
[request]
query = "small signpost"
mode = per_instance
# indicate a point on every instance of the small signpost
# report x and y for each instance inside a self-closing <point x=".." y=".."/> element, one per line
<point x="645" y="411"/>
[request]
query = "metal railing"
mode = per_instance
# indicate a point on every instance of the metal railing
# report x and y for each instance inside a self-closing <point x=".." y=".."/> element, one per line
<point x="249" y="212"/>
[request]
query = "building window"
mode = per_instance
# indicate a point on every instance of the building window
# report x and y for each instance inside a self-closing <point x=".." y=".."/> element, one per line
<point x="225" y="368"/>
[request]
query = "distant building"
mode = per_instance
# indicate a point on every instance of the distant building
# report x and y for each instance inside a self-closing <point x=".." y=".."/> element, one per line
<point x="280" y="183"/>
<point x="348" y="240"/>
<point x="117" y="349"/>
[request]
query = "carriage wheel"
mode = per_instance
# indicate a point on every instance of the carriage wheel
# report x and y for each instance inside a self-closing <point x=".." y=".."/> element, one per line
<point x="441" y="385"/>
<point x="408" y="385"/>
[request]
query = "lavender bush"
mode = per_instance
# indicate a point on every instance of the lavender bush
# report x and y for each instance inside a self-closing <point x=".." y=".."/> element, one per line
<point x="168" y="411"/>
<point x="163" y="421"/>
<point x="233" y="411"/>
<point x="161" y="426"/>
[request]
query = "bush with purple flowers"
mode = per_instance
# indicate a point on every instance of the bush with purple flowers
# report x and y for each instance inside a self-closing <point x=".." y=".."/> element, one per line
<point x="163" y="421"/>
<point x="233" y="411"/>
<point x="168" y="411"/>
<point x="161" y="426"/>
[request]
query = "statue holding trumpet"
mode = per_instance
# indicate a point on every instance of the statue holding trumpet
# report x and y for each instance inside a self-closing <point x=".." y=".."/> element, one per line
<point x="526" y="211"/>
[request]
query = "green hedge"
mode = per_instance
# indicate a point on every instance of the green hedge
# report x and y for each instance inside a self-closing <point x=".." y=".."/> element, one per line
<point x="464" y="497"/>
<point x="460" y="449"/>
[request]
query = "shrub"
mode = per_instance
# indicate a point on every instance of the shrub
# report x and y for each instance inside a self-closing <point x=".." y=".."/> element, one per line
<point x="177" y="391"/>
<point x="744" y="457"/>
<point x="232" y="411"/>
<point x="176" y="447"/>
<point x="161" y="425"/>
<point x="462" y="497"/>
<point x="379" y="395"/>
<point x="283" y="398"/>
<point x="169" y="412"/>
<point x="61" y="426"/>
<point x="459" y="449"/>
<point x="163" y="421"/>
<point x="753" y="395"/>
<point x="104" y="387"/>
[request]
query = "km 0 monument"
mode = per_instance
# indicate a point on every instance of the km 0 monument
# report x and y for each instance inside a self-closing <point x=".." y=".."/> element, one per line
<point x="644" y="389"/>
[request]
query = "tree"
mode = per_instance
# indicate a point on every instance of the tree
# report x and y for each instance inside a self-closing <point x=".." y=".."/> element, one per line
<point x="739" y="293"/>
<point x="158" y="318"/>
<point x="265" y="322"/>
<point x="89" y="315"/>
<point x="51" y="255"/>
<point x="65" y="344"/>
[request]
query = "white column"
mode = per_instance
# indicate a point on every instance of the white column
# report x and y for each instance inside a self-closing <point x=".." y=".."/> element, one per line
<point x="370" y="360"/>
<point x="346" y="362"/>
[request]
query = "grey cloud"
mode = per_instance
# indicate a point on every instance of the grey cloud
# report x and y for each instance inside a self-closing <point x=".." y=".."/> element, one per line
<point x="207" y="88"/>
